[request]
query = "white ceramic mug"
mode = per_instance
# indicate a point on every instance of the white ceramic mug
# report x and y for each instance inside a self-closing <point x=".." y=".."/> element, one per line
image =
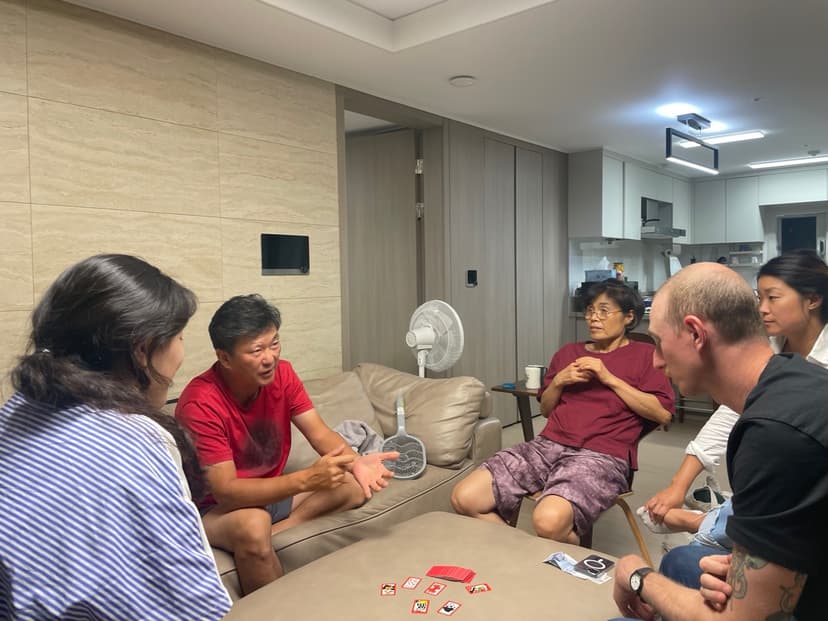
<point x="533" y="376"/>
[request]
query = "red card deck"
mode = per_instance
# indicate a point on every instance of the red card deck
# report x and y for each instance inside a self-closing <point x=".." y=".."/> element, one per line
<point x="451" y="572"/>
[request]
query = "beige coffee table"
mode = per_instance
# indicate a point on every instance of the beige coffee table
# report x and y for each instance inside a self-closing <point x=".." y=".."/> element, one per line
<point x="346" y="584"/>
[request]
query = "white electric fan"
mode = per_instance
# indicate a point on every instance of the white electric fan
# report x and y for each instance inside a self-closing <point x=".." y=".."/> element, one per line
<point x="435" y="336"/>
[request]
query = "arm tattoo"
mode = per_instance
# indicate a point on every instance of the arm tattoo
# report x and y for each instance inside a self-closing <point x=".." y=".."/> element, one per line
<point x="742" y="561"/>
<point x="738" y="579"/>
<point x="790" y="597"/>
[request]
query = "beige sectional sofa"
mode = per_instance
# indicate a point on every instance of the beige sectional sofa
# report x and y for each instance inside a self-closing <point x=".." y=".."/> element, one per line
<point x="451" y="416"/>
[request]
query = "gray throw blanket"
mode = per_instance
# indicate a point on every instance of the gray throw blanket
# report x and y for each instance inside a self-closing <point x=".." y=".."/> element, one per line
<point x="359" y="436"/>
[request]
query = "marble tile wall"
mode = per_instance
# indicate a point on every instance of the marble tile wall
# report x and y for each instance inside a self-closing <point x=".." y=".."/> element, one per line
<point x="120" y="138"/>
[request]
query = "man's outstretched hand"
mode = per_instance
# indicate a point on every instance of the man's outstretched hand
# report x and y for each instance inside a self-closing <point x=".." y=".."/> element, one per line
<point x="371" y="473"/>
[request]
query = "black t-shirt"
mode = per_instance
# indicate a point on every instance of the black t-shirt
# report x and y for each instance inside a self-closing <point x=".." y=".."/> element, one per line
<point x="777" y="457"/>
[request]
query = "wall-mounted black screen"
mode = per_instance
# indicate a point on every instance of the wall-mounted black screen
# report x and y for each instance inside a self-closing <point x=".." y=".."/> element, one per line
<point x="285" y="254"/>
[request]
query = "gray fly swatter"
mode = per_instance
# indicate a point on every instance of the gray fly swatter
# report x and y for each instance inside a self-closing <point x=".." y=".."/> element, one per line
<point x="412" y="460"/>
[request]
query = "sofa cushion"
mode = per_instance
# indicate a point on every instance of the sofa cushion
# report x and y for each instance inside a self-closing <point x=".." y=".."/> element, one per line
<point x="336" y="399"/>
<point x="440" y="412"/>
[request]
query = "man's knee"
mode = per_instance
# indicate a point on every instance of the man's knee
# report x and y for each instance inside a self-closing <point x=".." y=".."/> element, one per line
<point x="243" y="531"/>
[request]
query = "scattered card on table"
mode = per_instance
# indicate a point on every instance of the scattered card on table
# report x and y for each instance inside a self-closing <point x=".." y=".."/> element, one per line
<point x="420" y="607"/>
<point x="388" y="588"/>
<point x="411" y="582"/>
<point x="473" y="589"/>
<point x="449" y="608"/>
<point x="435" y="588"/>
<point x="594" y="565"/>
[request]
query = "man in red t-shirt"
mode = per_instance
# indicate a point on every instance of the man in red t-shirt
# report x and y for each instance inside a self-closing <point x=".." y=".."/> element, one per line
<point x="239" y="413"/>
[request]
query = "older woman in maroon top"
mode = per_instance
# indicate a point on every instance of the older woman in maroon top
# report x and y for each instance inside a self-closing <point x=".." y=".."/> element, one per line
<point x="600" y="398"/>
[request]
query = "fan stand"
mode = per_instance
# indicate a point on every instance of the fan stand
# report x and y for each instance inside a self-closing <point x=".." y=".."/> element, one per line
<point x="421" y="360"/>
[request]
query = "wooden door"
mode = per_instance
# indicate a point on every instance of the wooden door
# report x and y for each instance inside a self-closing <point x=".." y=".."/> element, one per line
<point x="382" y="247"/>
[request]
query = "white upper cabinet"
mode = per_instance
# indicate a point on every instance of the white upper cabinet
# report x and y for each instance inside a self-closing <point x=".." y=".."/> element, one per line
<point x="596" y="195"/>
<point x="709" y="218"/>
<point x="640" y="182"/>
<point x="682" y="211"/>
<point x="744" y="220"/>
<point x="802" y="186"/>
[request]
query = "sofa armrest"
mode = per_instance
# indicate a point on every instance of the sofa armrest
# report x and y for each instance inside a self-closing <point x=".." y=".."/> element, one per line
<point x="486" y="439"/>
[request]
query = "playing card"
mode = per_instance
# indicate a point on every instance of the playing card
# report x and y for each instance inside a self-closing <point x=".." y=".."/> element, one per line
<point x="419" y="607"/>
<point x="478" y="588"/>
<point x="411" y="582"/>
<point x="448" y="609"/>
<point x="561" y="560"/>
<point x="435" y="588"/>
<point x="594" y="566"/>
<point x="388" y="588"/>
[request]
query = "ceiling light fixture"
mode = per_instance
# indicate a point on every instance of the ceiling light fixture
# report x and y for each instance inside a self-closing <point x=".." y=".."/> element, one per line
<point x="713" y="151"/>
<point x="727" y="138"/>
<point x="707" y="169"/>
<point x="462" y="81"/>
<point x="799" y="161"/>
<point x="696" y="121"/>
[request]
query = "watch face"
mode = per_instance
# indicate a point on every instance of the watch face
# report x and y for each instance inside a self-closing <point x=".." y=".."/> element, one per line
<point x="635" y="582"/>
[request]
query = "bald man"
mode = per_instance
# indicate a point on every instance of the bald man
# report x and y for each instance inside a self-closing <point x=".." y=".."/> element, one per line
<point x="709" y="338"/>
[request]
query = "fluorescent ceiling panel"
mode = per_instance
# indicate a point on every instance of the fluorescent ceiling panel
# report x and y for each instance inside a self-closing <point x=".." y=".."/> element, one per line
<point x="800" y="161"/>
<point x="740" y="137"/>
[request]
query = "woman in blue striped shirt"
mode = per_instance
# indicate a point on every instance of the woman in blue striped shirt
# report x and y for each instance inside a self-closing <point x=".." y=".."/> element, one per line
<point x="96" y="520"/>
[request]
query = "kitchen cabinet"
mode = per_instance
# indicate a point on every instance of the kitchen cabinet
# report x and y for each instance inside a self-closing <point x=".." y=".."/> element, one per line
<point x="743" y="218"/>
<point x="793" y="187"/>
<point x="640" y="182"/>
<point x="682" y="210"/>
<point x="596" y="196"/>
<point x="709" y="218"/>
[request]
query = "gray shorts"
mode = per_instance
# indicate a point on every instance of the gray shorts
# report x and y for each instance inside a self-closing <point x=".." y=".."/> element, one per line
<point x="278" y="510"/>
<point x="589" y="480"/>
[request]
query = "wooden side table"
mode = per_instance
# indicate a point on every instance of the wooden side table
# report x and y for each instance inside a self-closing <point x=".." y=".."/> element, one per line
<point x="522" y="394"/>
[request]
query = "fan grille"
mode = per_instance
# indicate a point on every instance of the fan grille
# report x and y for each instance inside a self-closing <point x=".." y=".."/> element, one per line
<point x="445" y="323"/>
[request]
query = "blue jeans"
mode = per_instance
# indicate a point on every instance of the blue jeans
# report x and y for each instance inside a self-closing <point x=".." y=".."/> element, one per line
<point x="681" y="564"/>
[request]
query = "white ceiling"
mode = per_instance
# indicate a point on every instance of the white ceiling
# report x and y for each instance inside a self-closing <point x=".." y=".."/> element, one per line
<point x="568" y="74"/>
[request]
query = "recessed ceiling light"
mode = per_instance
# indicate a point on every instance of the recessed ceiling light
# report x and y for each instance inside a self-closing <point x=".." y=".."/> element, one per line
<point x="462" y="81"/>
<point x="753" y="135"/>
<point x="799" y="161"/>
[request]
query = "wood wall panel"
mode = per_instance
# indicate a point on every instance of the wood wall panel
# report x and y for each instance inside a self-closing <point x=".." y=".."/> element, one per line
<point x="14" y="147"/>
<point x="13" y="46"/>
<point x="529" y="260"/>
<point x="257" y="100"/>
<point x="16" y="287"/>
<point x="182" y="246"/>
<point x="123" y="123"/>
<point x="90" y="59"/>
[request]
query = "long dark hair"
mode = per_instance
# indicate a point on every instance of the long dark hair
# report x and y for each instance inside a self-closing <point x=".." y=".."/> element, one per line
<point x="85" y="331"/>
<point x="803" y="271"/>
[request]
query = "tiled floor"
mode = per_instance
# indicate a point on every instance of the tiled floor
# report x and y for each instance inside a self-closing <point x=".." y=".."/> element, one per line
<point x="660" y="454"/>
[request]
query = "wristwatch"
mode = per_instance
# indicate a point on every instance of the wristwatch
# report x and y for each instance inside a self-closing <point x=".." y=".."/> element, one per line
<point x="637" y="579"/>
